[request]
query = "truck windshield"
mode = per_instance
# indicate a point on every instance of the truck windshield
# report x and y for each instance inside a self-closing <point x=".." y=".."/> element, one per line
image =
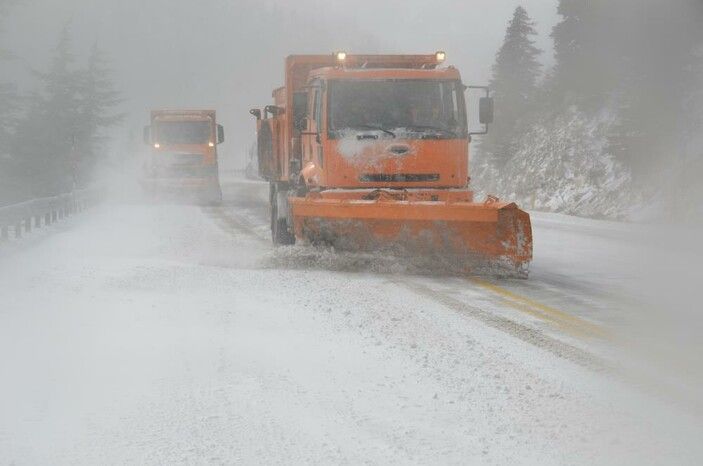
<point x="406" y="108"/>
<point x="183" y="132"/>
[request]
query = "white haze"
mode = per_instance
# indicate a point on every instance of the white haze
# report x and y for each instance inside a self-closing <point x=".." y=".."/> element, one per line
<point x="229" y="55"/>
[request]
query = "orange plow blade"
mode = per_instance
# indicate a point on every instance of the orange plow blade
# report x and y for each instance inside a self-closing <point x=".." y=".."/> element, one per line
<point x="475" y="234"/>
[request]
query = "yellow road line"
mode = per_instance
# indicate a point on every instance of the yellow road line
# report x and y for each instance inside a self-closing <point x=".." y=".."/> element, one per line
<point x="563" y="319"/>
<point x="567" y="327"/>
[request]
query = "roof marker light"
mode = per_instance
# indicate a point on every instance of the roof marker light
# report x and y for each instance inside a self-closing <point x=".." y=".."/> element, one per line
<point x="440" y="56"/>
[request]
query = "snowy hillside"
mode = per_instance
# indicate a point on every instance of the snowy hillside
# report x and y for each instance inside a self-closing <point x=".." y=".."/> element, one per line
<point x="562" y="165"/>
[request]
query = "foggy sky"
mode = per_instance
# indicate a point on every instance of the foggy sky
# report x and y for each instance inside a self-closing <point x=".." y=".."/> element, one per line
<point x="228" y="55"/>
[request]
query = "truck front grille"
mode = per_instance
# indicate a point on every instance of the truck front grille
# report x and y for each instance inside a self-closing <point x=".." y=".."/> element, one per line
<point x="399" y="177"/>
<point x="186" y="158"/>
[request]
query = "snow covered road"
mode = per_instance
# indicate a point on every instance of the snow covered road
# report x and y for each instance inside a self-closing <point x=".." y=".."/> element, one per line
<point x="164" y="334"/>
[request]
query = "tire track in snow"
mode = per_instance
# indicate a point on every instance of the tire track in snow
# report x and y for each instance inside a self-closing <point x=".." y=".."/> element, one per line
<point x="568" y="322"/>
<point x="522" y="332"/>
<point x="533" y="336"/>
<point x="648" y="383"/>
<point x="527" y="334"/>
<point x="226" y="220"/>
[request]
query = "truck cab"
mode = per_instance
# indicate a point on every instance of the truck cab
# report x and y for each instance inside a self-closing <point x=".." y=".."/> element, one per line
<point x="372" y="128"/>
<point x="182" y="161"/>
<point x="368" y="121"/>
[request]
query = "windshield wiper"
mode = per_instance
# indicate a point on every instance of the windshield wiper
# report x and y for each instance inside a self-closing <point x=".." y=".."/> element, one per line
<point x="378" y="128"/>
<point x="433" y="128"/>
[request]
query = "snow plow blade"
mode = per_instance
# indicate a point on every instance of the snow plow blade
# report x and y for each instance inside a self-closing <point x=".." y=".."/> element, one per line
<point x="476" y="235"/>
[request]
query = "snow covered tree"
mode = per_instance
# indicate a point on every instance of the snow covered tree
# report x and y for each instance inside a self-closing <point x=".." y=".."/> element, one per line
<point x="634" y="70"/>
<point x="58" y="141"/>
<point x="515" y="76"/>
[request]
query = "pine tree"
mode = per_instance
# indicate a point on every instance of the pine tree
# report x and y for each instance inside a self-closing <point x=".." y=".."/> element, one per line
<point x="9" y="106"/>
<point x="657" y="89"/>
<point x="45" y="140"/>
<point x="4" y="11"/>
<point x="9" y="99"/>
<point x="515" y="76"/>
<point x="569" y="49"/>
<point x="588" y="49"/>
<point x="98" y="98"/>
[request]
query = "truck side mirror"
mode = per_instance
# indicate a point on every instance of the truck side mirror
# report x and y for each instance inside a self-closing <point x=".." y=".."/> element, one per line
<point x="274" y="110"/>
<point x="301" y="124"/>
<point x="294" y="166"/>
<point x="147" y="135"/>
<point x="300" y="107"/>
<point x="485" y="110"/>
<point x="256" y="112"/>
<point x="220" y="134"/>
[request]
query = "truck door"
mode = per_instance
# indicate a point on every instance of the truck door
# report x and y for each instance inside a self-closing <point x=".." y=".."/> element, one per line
<point x="300" y="108"/>
<point x="312" y="146"/>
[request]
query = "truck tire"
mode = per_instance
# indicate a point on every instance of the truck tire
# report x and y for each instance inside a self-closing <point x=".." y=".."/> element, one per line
<point x="211" y="195"/>
<point x="214" y="199"/>
<point x="280" y="232"/>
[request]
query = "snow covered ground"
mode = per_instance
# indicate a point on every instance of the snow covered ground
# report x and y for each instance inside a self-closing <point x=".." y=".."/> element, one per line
<point x="165" y="334"/>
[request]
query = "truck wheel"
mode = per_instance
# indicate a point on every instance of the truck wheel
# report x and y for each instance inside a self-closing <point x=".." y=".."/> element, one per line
<point x="215" y="200"/>
<point x="212" y="196"/>
<point x="216" y="197"/>
<point x="280" y="233"/>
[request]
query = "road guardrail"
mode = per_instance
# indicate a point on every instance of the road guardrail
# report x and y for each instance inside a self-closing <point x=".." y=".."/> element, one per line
<point x="35" y="213"/>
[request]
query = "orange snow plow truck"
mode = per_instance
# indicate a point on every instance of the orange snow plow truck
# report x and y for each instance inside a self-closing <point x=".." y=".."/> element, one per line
<point x="182" y="161"/>
<point x="370" y="152"/>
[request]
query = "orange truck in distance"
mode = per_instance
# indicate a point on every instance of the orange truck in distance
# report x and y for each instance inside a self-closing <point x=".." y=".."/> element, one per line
<point x="371" y="152"/>
<point x="182" y="161"/>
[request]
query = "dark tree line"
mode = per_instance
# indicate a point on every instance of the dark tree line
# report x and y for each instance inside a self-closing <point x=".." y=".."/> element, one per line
<point x="52" y="140"/>
<point x="643" y="59"/>
<point x="8" y="93"/>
